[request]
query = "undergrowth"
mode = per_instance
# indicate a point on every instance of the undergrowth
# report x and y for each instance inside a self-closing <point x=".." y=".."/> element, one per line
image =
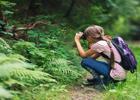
<point x="40" y="68"/>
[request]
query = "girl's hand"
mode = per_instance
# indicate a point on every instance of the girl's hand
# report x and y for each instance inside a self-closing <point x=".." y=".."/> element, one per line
<point x="78" y="36"/>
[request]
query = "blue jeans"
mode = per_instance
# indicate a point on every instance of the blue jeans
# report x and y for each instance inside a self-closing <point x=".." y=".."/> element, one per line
<point x="99" y="67"/>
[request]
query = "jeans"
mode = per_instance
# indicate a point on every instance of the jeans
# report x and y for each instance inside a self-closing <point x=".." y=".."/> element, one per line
<point x="99" y="67"/>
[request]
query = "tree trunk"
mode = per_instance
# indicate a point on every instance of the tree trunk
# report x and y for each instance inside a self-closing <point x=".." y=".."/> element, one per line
<point x="44" y="3"/>
<point x="1" y="14"/>
<point x="70" y="8"/>
<point x="3" y="21"/>
<point x="30" y="9"/>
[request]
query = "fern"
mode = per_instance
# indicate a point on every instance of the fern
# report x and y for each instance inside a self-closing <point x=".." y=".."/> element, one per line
<point x="15" y="59"/>
<point x="30" y="51"/>
<point x="17" y="69"/>
<point x="15" y="66"/>
<point x="62" y="70"/>
<point x="4" y="47"/>
<point x="5" y="94"/>
<point x="31" y="76"/>
<point x="14" y="84"/>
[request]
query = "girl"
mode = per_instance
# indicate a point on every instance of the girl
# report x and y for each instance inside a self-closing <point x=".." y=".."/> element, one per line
<point x="100" y="45"/>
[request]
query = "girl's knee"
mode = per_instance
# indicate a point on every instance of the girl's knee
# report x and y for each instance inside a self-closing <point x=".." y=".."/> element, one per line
<point x="85" y="61"/>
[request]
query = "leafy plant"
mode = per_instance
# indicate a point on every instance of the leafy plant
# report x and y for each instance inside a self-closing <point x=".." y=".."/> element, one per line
<point x="4" y="47"/>
<point x="5" y="94"/>
<point x="6" y="6"/>
<point x="30" y="51"/>
<point x="17" y="69"/>
<point x="62" y="70"/>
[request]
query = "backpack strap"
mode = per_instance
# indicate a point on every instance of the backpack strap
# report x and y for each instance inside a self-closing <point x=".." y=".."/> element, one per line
<point x="112" y="54"/>
<point x="105" y="56"/>
<point x="112" y="59"/>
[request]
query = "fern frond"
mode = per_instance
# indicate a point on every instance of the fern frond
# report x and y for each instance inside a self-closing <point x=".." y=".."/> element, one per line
<point x="4" y="47"/>
<point x="18" y="57"/>
<point x="5" y="94"/>
<point x="4" y="59"/>
<point x="15" y="59"/>
<point x="61" y="69"/>
<point x="31" y="76"/>
<point x="17" y="69"/>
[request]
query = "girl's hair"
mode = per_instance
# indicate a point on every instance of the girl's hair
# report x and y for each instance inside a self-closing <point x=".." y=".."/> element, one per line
<point x="96" y="32"/>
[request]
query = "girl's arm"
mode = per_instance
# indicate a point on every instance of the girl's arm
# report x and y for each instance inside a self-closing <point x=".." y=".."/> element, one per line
<point x="95" y="56"/>
<point x="80" y="49"/>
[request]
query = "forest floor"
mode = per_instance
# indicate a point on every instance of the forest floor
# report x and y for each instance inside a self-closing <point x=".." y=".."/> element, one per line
<point x="85" y="92"/>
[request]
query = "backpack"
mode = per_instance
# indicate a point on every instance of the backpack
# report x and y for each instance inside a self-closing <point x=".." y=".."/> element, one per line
<point x="128" y="61"/>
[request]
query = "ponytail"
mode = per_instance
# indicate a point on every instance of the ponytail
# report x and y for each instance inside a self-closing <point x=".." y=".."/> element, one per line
<point x="106" y="37"/>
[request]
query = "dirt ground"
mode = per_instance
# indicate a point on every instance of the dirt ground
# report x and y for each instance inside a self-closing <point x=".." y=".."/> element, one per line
<point x="84" y="92"/>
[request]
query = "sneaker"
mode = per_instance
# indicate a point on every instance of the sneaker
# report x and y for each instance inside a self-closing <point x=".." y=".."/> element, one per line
<point x="117" y="81"/>
<point x="94" y="81"/>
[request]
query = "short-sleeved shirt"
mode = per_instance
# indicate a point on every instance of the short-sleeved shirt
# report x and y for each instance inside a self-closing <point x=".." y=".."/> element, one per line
<point x="118" y="72"/>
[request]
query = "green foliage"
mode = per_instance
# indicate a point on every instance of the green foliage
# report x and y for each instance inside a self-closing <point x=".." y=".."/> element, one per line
<point x="5" y="93"/>
<point x="7" y="7"/>
<point x="123" y="7"/>
<point x="49" y="38"/>
<point x="17" y="69"/>
<point x="16" y="74"/>
<point x="30" y="51"/>
<point x="56" y="92"/>
<point x="62" y="70"/>
<point x="51" y="54"/>
<point x="5" y="3"/>
<point x="120" y="27"/>
<point x="4" y="47"/>
<point x="4" y="28"/>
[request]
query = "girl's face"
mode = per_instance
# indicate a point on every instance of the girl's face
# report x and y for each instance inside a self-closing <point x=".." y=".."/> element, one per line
<point x="90" y="39"/>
